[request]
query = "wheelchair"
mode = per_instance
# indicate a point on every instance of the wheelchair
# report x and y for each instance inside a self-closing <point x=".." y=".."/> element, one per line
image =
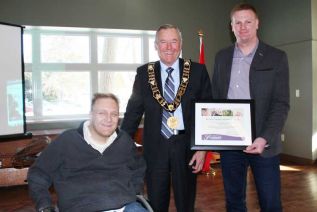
<point x="144" y="202"/>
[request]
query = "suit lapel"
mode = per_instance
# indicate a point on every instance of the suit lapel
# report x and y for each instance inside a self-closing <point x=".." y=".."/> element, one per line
<point x="257" y="65"/>
<point x="181" y="66"/>
<point x="183" y="102"/>
<point x="158" y="78"/>
<point x="227" y="69"/>
<point x="258" y="57"/>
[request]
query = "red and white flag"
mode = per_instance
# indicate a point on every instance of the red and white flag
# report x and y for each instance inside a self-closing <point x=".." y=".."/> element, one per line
<point x="201" y="51"/>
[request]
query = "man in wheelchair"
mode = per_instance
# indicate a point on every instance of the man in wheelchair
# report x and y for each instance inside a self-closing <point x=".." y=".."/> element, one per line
<point x="93" y="168"/>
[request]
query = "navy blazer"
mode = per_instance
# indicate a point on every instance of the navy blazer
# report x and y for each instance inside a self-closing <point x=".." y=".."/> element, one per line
<point x="142" y="102"/>
<point x="269" y="87"/>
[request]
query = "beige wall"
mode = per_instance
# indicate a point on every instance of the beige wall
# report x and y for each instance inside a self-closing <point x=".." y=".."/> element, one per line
<point x="288" y="26"/>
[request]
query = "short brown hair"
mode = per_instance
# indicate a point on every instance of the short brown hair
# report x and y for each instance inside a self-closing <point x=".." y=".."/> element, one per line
<point x="102" y="96"/>
<point x="243" y="6"/>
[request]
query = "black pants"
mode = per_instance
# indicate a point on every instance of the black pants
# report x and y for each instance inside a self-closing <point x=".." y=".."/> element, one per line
<point x="172" y="170"/>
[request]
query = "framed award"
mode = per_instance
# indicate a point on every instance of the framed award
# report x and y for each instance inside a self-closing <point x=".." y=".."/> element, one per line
<point x="223" y="125"/>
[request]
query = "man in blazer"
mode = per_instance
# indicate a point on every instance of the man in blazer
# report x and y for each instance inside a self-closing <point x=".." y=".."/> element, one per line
<point x="251" y="69"/>
<point x="169" y="158"/>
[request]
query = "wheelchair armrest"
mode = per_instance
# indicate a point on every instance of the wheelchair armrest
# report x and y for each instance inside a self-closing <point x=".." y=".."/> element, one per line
<point x="141" y="199"/>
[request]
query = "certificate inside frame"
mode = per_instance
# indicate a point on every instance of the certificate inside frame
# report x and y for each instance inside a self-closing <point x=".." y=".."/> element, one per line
<point x="223" y="125"/>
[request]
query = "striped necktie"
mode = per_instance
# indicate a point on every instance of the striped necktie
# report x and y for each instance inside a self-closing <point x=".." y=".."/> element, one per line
<point x="169" y="96"/>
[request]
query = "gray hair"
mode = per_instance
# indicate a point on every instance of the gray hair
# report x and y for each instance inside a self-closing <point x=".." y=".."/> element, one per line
<point x="168" y="26"/>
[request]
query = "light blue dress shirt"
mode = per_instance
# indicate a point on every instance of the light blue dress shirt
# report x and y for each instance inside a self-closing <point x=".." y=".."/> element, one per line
<point x="175" y="74"/>
<point x="239" y="87"/>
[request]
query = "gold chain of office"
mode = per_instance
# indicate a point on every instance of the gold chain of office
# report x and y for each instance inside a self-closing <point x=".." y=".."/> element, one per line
<point x="171" y="107"/>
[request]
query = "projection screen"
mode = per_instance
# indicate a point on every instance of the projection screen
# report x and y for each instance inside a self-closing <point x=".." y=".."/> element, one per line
<point x="12" y="116"/>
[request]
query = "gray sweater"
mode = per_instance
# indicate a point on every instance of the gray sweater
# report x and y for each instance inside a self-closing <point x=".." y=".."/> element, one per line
<point x="84" y="179"/>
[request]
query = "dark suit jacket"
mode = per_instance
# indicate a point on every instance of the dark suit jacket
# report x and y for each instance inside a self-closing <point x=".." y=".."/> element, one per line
<point x="269" y="87"/>
<point x="142" y="102"/>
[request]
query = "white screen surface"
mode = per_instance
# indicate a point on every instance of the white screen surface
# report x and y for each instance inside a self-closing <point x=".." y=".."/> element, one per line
<point x="12" y="118"/>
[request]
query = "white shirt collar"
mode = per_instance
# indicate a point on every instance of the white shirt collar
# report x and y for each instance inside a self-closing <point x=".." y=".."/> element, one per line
<point x="175" y="65"/>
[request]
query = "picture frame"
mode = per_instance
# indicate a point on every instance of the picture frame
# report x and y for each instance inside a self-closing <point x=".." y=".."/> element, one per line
<point x="223" y="125"/>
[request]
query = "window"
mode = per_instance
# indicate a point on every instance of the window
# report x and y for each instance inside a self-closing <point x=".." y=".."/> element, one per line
<point x="65" y="66"/>
<point x="64" y="48"/>
<point x="65" y="93"/>
<point x="118" y="50"/>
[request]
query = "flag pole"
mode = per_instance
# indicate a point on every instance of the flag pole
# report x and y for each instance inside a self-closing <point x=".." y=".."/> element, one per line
<point x="201" y="47"/>
<point x="207" y="169"/>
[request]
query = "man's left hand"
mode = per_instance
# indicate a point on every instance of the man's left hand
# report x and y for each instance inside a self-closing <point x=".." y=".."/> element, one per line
<point x="197" y="161"/>
<point x="257" y="147"/>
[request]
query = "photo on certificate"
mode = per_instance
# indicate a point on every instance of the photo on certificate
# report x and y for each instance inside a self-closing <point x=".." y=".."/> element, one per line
<point x="223" y="125"/>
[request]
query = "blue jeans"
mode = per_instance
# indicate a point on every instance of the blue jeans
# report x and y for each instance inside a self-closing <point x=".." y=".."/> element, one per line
<point x="266" y="173"/>
<point x="134" y="207"/>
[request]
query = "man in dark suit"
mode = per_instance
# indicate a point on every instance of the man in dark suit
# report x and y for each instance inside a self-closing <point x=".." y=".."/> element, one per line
<point x="251" y="69"/>
<point x="167" y="145"/>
